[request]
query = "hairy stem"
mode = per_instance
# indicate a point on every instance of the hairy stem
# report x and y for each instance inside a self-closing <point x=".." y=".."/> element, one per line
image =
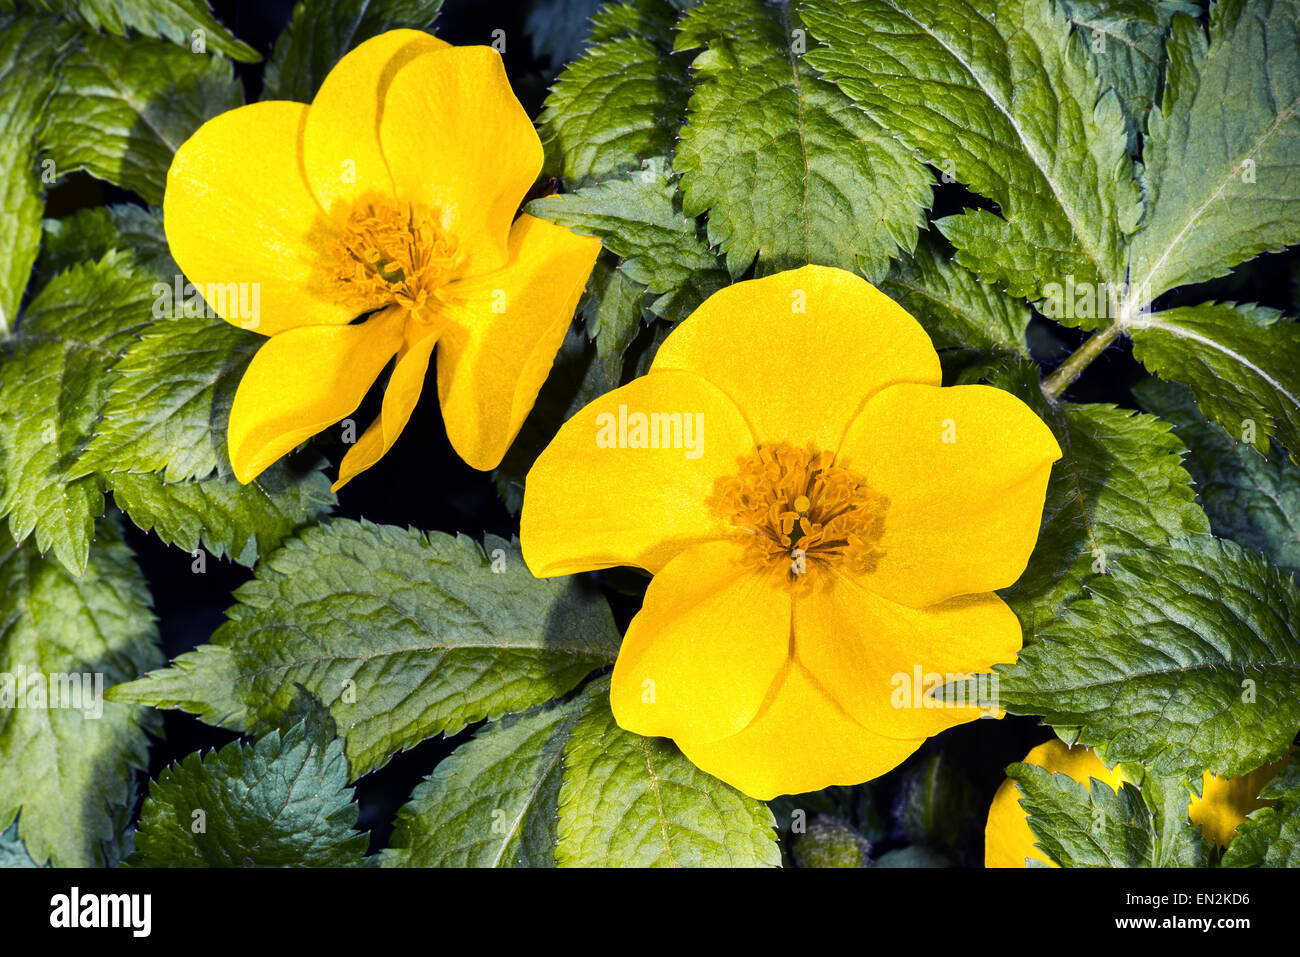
<point x="1080" y="359"/>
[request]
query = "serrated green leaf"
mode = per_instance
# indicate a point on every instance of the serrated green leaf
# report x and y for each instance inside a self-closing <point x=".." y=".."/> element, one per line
<point x="169" y="401"/>
<point x="1251" y="499"/>
<point x="494" y="801"/>
<point x="1125" y="40"/>
<point x="1218" y="192"/>
<point x="202" y="682"/>
<point x="956" y="309"/>
<point x="322" y="31"/>
<point x="612" y="310"/>
<point x="123" y="108"/>
<point x="184" y="22"/>
<point x="90" y="233"/>
<point x="1270" y="837"/>
<point x="245" y="522"/>
<point x="1120" y="486"/>
<point x="621" y="103"/>
<point x="402" y="635"/>
<point x="30" y="48"/>
<point x="53" y="384"/>
<point x="280" y="802"/>
<point x="1079" y="825"/>
<point x="1001" y="93"/>
<point x="631" y="801"/>
<point x="639" y="217"/>
<point x="1185" y="658"/>
<point x="13" y="853"/>
<point x="1241" y="361"/>
<point x="789" y="169"/>
<point x="64" y="768"/>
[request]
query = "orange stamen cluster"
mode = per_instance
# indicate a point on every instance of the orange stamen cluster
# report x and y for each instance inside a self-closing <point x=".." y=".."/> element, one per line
<point x="794" y="510"/>
<point x="388" y="251"/>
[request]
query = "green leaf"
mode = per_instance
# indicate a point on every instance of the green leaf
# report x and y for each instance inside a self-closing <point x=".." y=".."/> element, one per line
<point x="1120" y="486"/>
<point x="1219" y="193"/>
<point x="90" y="233"/>
<point x="65" y="767"/>
<point x="13" y="853"/>
<point x="788" y="168"/>
<point x="494" y="801"/>
<point x="1079" y="825"/>
<point x="169" y="401"/>
<point x="621" y="103"/>
<point x="53" y="384"/>
<point x="246" y="522"/>
<point x="30" y="48"/>
<point x="402" y="635"/>
<point x="322" y="31"/>
<point x="123" y="108"/>
<point x="956" y="309"/>
<point x="612" y="312"/>
<point x="1242" y="362"/>
<point x="1185" y="658"/>
<point x="1270" y="837"/>
<point x="631" y="801"/>
<point x="177" y="20"/>
<point x="1251" y="499"/>
<point x="1003" y="94"/>
<point x="202" y="682"/>
<point x="280" y="802"/>
<point x="639" y="217"/>
<point x="1125" y="40"/>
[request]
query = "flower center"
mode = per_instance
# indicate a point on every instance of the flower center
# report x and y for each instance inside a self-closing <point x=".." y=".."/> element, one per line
<point x="794" y="510"/>
<point x="387" y="250"/>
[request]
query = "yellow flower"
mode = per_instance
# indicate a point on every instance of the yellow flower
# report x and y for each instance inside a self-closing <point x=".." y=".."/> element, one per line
<point x="392" y="199"/>
<point x="1224" y="802"/>
<point x="824" y="524"/>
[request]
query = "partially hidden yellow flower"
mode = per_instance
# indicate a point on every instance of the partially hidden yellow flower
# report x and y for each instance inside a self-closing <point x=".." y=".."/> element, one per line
<point x="823" y="522"/>
<point x="391" y="200"/>
<point x="1224" y="802"/>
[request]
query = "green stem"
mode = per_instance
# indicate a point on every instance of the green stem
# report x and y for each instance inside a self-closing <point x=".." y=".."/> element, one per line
<point x="1080" y="359"/>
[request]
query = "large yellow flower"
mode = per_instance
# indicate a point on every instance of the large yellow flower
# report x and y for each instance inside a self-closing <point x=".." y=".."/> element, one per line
<point x="824" y="524"/>
<point x="391" y="197"/>
<point x="1224" y="802"/>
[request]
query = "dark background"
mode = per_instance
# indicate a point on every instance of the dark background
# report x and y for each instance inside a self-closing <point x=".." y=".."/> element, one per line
<point x="422" y="483"/>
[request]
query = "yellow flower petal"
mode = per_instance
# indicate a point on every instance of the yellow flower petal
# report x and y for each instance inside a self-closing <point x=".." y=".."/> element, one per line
<point x="705" y="649"/>
<point x="237" y="210"/>
<point x="801" y="741"/>
<point x="502" y="336"/>
<point x="457" y="139"/>
<point x="302" y="381"/>
<point x="341" y="151"/>
<point x="400" y="397"/>
<point x="1008" y="839"/>
<point x="589" y="503"/>
<point x="1225" y="802"/>
<point x="965" y="473"/>
<point x="800" y="351"/>
<point x="877" y="658"/>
